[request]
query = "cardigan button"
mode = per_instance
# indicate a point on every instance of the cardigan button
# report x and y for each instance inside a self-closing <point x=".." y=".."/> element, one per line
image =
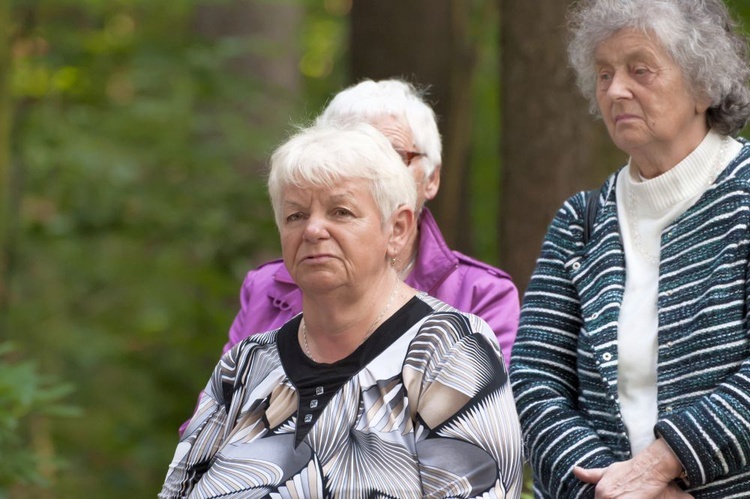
<point x="607" y="356"/>
<point x="576" y="265"/>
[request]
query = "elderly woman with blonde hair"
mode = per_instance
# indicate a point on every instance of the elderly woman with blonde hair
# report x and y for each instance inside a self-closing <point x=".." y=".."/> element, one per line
<point x="374" y="389"/>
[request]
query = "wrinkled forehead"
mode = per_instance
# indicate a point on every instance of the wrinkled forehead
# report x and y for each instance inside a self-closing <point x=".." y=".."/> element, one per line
<point x="629" y="44"/>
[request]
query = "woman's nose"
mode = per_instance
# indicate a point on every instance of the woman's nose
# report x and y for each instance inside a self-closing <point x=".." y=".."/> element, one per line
<point x="619" y="87"/>
<point x="315" y="229"/>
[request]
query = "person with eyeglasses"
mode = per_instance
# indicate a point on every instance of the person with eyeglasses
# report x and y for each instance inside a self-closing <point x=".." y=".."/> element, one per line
<point x="269" y="296"/>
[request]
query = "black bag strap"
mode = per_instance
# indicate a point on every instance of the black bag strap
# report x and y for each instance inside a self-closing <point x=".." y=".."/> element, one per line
<point x="589" y="215"/>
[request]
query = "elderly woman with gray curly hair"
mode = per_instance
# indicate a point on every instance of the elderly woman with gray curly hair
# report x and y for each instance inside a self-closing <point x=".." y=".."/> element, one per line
<point x="631" y="370"/>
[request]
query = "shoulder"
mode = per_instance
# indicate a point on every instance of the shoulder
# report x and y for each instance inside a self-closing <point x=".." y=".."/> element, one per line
<point x="241" y="353"/>
<point x="473" y="265"/>
<point x="732" y="188"/>
<point x="573" y="209"/>
<point x="739" y="167"/>
<point x="566" y="231"/>
<point x="251" y="358"/>
<point x="270" y="267"/>
<point x="445" y="332"/>
<point x="268" y="273"/>
<point x="451" y="322"/>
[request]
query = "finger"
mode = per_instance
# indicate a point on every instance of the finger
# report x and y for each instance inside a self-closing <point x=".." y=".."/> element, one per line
<point x="675" y="492"/>
<point x="592" y="475"/>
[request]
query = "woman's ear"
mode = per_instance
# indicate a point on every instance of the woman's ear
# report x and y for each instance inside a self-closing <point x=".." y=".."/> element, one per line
<point x="431" y="184"/>
<point x="403" y="220"/>
<point x="702" y="104"/>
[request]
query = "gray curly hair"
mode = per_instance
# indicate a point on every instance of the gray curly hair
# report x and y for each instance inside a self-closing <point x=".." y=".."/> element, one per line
<point x="699" y="35"/>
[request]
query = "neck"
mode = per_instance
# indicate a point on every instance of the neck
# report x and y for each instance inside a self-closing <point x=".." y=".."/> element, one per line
<point x="335" y="326"/>
<point x="656" y="159"/>
<point x="408" y="255"/>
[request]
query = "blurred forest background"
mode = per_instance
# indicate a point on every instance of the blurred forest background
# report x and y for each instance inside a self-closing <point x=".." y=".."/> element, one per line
<point x="133" y="138"/>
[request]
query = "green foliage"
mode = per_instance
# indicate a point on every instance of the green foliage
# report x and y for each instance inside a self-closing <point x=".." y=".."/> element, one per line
<point x="26" y="397"/>
<point x="528" y="485"/>
<point x="137" y="156"/>
<point x="324" y="47"/>
<point x="142" y="206"/>
<point x="741" y="9"/>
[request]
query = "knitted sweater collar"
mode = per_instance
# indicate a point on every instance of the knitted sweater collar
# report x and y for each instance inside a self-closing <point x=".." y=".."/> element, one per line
<point x="687" y="179"/>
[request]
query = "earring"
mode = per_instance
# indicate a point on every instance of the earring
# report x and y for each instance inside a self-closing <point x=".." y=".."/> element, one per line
<point x="393" y="261"/>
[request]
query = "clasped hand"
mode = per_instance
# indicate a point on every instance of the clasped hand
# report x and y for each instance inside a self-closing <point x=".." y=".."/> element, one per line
<point x="648" y="475"/>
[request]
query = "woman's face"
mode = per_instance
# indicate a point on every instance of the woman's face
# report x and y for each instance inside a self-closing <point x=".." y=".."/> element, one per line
<point x="333" y="237"/>
<point x="399" y="134"/>
<point x="645" y="102"/>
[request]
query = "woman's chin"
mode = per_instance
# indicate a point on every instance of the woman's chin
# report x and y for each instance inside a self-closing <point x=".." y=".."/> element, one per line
<point x="318" y="282"/>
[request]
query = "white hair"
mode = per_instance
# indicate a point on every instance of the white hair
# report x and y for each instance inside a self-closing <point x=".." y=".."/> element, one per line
<point x="700" y="37"/>
<point x="324" y="155"/>
<point x="370" y="99"/>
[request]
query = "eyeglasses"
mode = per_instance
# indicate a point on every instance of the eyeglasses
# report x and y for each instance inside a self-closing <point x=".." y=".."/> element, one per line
<point x="408" y="156"/>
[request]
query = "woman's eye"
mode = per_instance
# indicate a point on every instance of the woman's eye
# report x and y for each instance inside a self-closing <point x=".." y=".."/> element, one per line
<point x="342" y="212"/>
<point x="293" y="217"/>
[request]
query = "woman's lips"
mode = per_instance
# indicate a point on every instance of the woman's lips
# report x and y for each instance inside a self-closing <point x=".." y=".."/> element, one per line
<point x="625" y="117"/>
<point x="317" y="258"/>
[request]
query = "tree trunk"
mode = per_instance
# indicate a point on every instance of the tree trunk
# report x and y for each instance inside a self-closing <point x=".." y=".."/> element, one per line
<point x="270" y="63"/>
<point x="427" y="43"/>
<point x="551" y="146"/>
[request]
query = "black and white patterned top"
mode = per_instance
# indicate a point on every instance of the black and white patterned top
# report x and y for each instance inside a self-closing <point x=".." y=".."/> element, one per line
<point x="423" y="408"/>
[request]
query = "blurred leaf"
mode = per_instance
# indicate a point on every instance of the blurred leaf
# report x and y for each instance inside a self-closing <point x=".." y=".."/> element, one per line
<point x="25" y="396"/>
<point x="140" y="158"/>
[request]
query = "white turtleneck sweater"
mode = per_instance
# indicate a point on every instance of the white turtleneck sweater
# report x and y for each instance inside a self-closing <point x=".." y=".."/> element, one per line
<point x="644" y="208"/>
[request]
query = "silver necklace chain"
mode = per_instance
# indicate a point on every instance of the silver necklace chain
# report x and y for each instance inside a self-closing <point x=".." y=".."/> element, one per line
<point x="370" y="330"/>
<point x="632" y="213"/>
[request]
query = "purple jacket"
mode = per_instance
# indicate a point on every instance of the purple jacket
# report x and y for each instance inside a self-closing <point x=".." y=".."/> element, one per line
<point x="269" y="297"/>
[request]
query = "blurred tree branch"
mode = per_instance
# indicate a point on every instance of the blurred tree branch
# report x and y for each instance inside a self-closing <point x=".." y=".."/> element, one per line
<point x="5" y="170"/>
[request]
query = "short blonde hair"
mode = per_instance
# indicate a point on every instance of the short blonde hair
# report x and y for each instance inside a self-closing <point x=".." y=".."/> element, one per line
<point x="325" y="154"/>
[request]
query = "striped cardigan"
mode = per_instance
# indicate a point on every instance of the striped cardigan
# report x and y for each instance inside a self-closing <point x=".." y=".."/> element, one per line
<point x="564" y="361"/>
